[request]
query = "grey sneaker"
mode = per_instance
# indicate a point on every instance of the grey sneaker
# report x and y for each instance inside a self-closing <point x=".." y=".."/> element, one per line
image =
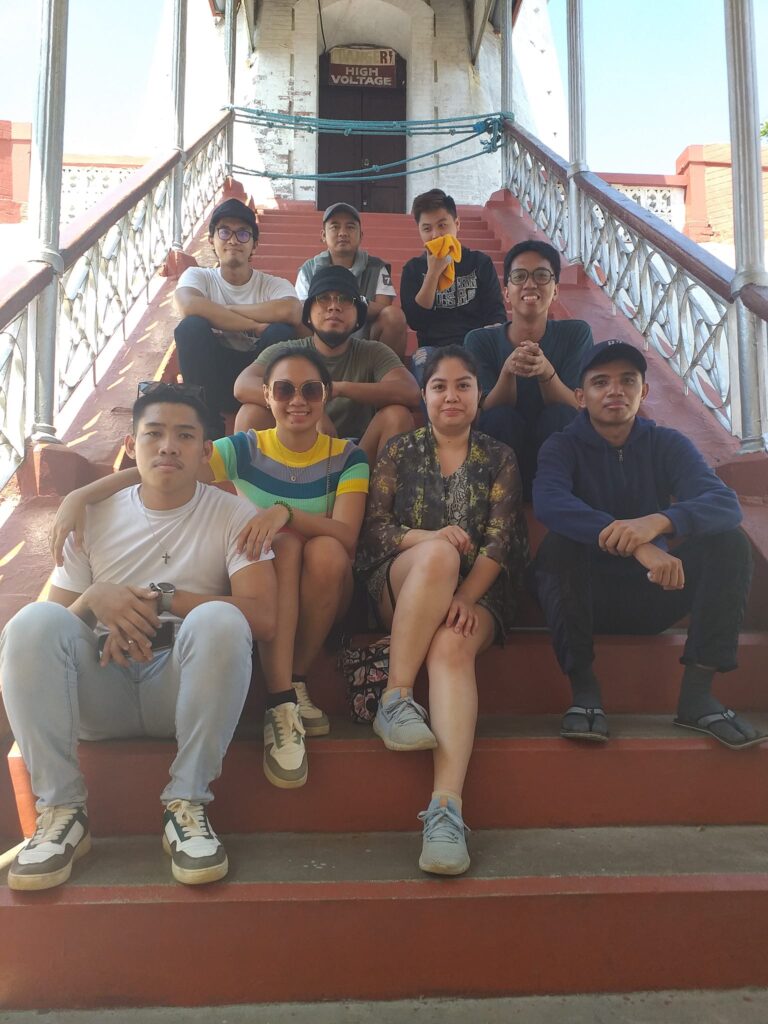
<point x="444" y="848"/>
<point x="285" y="757"/>
<point x="61" y="837"/>
<point x="315" y="721"/>
<point x="197" y="855"/>
<point x="402" y="723"/>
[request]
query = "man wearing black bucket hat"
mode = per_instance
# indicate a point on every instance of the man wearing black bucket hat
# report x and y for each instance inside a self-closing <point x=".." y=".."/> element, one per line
<point x="614" y="490"/>
<point x="231" y="312"/>
<point x="373" y="393"/>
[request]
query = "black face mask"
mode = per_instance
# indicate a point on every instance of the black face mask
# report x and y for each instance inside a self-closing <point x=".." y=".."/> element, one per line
<point x="333" y="339"/>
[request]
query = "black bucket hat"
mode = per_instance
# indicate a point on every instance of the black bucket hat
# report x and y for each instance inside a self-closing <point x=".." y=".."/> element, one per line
<point x="335" y="279"/>
<point x="234" y="208"/>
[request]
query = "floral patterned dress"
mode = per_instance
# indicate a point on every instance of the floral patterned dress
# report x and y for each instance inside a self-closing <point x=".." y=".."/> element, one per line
<point x="483" y="497"/>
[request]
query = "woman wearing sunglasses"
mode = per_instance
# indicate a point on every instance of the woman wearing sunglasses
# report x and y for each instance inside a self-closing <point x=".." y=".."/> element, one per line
<point x="443" y="549"/>
<point x="311" y="491"/>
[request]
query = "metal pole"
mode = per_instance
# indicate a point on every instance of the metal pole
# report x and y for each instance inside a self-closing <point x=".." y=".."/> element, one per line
<point x="506" y="84"/>
<point x="747" y="203"/>
<point x="179" y="73"/>
<point x="45" y="203"/>
<point x="230" y="31"/>
<point x="577" y="121"/>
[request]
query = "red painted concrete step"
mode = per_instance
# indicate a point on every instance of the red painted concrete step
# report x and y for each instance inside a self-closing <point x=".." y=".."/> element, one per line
<point x="309" y="918"/>
<point x="522" y="775"/>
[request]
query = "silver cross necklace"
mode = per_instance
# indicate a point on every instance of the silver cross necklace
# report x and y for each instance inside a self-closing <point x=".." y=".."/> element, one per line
<point x="165" y="556"/>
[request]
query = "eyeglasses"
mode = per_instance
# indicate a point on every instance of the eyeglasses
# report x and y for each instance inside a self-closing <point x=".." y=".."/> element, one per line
<point x="284" y="390"/>
<point x="334" y="299"/>
<point x="162" y="387"/>
<point x="540" y="275"/>
<point x="242" y="234"/>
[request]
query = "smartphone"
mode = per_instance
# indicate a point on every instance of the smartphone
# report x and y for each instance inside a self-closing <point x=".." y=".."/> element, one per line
<point x="161" y="641"/>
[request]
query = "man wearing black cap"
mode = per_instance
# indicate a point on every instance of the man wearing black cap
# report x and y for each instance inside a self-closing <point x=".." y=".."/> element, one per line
<point x="342" y="234"/>
<point x="373" y="393"/>
<point x="613" y="489"/>
<point x="231" y="312"/>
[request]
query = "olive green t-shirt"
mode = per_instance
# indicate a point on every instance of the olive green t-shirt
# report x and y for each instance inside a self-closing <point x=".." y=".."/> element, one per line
<point x="363" y="362"/>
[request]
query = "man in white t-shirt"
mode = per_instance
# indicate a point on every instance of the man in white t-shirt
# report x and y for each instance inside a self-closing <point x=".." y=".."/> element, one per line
<point x="230" y="313"/>
<point x="115" y="654"/>
<point x="342" y="234"/>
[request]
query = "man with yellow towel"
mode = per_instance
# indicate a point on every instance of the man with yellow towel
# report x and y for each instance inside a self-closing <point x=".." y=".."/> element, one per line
<point x="450" y="289"/>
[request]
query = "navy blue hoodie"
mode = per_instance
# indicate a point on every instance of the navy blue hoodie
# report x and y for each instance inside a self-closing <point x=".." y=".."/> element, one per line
<point x="583" y="483"/>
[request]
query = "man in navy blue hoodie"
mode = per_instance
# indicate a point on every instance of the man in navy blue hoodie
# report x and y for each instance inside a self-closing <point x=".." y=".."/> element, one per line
<point x="612" y="489"/>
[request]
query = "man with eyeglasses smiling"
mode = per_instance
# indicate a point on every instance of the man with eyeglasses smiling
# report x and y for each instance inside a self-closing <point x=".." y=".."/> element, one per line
<point x="231" y="312"/>
<point x="373" y="392"/>
<point x="529" y="366"/>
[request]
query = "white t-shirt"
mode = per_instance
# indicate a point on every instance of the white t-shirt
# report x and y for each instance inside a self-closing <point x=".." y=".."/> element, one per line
<point x="124" y="543"/>
<point x="261" y="288"/>
<point x="384" y="285"/>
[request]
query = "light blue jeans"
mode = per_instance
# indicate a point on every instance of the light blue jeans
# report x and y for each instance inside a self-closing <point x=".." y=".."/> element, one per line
<point x="56" y="692"/>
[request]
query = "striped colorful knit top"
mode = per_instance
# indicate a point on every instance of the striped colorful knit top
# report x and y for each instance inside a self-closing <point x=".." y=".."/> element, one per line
<point x="265" y="471"/>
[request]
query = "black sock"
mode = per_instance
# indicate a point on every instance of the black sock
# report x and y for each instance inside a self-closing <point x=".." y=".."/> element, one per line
<point x="586" y="688"/>
<point x="284" y="697"/>
<point x="696" y="697"/>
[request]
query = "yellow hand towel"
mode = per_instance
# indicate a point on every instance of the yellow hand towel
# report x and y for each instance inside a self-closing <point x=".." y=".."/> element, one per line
<point x="446" y="245"/>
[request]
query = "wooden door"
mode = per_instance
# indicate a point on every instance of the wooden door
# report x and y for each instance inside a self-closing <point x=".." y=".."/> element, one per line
<point x="351" y="152"/>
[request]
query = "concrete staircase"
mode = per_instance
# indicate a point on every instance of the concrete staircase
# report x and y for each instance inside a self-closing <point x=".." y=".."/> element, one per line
<point x="638" y="865"/>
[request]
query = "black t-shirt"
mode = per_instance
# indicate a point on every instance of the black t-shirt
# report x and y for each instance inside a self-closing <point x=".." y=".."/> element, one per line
<point x="473" y="300"/>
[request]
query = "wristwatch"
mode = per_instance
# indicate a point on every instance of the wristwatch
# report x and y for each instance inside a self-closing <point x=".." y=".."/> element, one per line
<point x="167" y="592"/>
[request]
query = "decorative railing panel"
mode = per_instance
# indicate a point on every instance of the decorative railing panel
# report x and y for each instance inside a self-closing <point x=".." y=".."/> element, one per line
<point x="100" y="287"/>
<point x="110" y="255"/>
<point x="204" y="174"/>
<point x="13" y="392"/>
<point x="82" y="185"/>
<point x="686" y="323"/>
<point x="666" y="201"/>
<point x="539" y="181"/>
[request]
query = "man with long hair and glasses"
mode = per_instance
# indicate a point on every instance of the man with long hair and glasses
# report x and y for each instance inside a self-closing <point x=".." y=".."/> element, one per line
<point x="529" y="366"/>
<point x="148" y="631"/>
<point x="230" y="312"/>
<point x="373" y="393"/>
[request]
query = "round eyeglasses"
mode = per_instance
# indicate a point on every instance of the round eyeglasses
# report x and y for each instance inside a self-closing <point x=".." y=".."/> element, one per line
<point x="334" y="299"/>
<point x="243" y="235"/>
<point x="540" y="275"/>
<point x="284" y="390"/>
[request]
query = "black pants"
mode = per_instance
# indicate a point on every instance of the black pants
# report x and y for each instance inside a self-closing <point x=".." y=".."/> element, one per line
<point x="583" y="592"/>
<point x="525" y="432"/>
<point x="204" y="360"/>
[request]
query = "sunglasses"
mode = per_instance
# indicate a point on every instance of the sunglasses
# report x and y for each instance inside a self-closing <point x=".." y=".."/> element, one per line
<point x="242" y="234"/>
<point x="540" y="276"/>
<point x="162" y="387"/>
<point x="284" y="390"/>
<point x="334" y="299"/>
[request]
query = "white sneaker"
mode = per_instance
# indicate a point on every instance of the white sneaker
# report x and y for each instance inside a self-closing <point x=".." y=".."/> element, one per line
<point x="285" y="756"/>
<point x="315" y="721"/>
<point x="197" y="855"/>
<point x="61" y="837"/>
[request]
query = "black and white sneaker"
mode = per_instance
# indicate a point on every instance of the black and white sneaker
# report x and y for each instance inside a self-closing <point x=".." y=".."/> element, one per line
<point x="197" y="855"/>
<point x="61" y="837"/>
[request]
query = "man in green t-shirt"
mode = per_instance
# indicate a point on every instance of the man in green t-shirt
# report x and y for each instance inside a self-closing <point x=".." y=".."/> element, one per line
<point x="373" y="393"/>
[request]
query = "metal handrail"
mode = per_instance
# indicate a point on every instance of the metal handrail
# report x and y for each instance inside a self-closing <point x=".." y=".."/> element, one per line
<point x="679" y="296"/>
<point x="109" y="256"/>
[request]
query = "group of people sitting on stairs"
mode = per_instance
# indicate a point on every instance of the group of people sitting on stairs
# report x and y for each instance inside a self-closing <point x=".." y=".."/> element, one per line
<point x="163" y="583"/>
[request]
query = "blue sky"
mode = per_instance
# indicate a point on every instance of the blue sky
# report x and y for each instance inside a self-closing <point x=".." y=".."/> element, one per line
<point x="656" y="78"/>
<point x="655" y="74"/>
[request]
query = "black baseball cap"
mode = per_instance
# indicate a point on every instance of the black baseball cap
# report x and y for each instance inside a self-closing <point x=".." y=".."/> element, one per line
<point x="339" y="207"/>
<point x="610" y="352"/>
<point x="335" y="279"/>
<point x="234" y="208"/>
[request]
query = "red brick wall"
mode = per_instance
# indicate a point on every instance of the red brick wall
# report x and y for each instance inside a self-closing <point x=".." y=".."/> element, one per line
<point x="709" y="197"/>
<point x="15" y="149"/>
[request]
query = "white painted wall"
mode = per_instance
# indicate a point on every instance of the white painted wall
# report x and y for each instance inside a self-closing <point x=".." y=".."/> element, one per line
<point x="441" y="82"/>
